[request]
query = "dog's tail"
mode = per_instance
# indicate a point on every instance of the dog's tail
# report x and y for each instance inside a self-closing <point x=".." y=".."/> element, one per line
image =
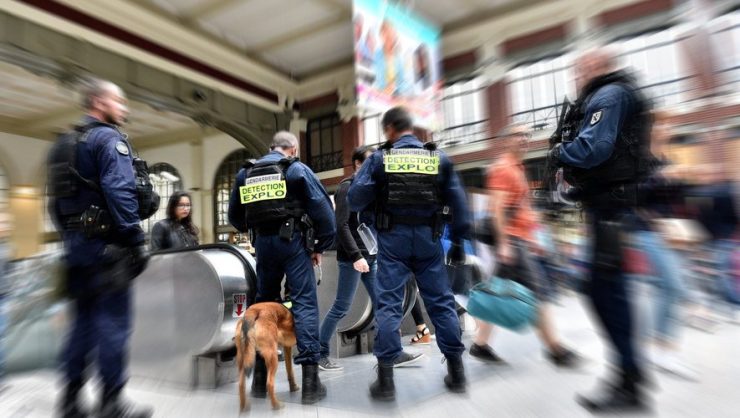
<point x="244" y="346"/>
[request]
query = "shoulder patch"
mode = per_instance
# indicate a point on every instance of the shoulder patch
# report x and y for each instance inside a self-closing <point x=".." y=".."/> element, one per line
<point x="122" y="148"/>
<point x="596" y="117"/>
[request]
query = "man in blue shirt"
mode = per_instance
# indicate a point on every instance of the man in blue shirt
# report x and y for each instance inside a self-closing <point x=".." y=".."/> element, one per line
<point x="604" y="157"/>
<point x="407" y="184"/>
<point x="277" y="197"/>
<point x="106" y="186"/>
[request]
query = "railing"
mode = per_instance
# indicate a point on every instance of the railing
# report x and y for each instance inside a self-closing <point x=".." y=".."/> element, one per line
<point x="467" y="133"/>
<point x="326" y="162"/>
<point x="543" y="118"/>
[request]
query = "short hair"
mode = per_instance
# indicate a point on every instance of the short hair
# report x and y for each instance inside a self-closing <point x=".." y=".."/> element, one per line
<point x="397" y="118"/>
<point x="284" y="140"/>
<point x="359" y="153"/>
<point x="95" y="88"/>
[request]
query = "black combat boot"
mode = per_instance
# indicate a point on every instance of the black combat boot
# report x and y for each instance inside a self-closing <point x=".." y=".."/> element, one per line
<point x="259" y="379"/>
<point x="114" y="406"/>
<point x="69" y="407"/>
<point x="313" y="390"/>
<point x="455" y="379"/>
<point x="383" y="389"/>
<point x="624" y="394"/>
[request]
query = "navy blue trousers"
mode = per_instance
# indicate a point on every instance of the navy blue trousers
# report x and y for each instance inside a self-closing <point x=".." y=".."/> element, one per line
<point x="101" y="325"/>
<point x="402" y="252"/>
<point x="277" y="258"/>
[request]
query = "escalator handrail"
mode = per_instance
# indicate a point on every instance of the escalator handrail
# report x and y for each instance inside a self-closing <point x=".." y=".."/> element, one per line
<point x="248" y="269"/>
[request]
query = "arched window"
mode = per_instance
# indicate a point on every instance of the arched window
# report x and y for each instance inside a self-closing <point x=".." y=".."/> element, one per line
<point x="324" y="143"/>
<point x="222" y="186"/>
<point x="537" y="89"/>
<point x="166" y="181"/>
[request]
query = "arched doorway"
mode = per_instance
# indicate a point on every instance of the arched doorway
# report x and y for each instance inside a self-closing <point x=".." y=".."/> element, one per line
<point x="222" y="185"/>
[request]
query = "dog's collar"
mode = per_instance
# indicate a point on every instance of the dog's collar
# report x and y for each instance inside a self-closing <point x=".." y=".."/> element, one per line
<point x="288" y="304"/>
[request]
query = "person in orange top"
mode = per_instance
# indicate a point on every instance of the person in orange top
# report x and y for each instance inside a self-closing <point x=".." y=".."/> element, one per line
<point x="515" y="222"/>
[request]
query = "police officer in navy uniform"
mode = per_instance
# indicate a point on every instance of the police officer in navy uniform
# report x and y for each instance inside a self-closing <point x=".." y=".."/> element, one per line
<point x="95" y="204"/>
<point x="605" y="155"/>
<point x="284" y="204"/>
<point x="406" y="184"/>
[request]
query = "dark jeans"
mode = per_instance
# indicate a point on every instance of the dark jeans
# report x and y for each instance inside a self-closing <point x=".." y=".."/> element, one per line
<point x="347" y="283"/>
<point x="609" y="296"/>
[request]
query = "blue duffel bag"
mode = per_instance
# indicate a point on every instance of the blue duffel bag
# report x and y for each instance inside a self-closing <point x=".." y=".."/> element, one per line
<point x="503" y="302"/>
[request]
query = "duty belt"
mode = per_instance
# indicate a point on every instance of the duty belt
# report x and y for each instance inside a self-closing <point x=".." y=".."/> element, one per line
<point x="268" y="229"/>
<point x="73" y="223"/>
<point x="413" y="220"/>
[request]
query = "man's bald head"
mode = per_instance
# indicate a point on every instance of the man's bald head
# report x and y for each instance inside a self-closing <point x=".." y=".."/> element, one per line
<point x="105" y="101"/>
<point x="95" y="89"/>
<point x="592" y="64"/>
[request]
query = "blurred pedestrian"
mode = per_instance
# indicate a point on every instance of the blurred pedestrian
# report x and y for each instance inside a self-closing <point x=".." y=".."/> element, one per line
<point x="515" y="222"/>
<point x="603" y="149"/>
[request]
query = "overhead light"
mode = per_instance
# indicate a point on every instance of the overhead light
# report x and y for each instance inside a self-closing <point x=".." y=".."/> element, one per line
<point x="24" y="191"/>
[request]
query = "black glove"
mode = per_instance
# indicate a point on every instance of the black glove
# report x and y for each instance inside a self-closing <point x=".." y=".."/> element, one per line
<point x="124" y="265"/>
<point x="139" y="260"/>
<point x="553" y="157"/>
<point x="456" y="255"/>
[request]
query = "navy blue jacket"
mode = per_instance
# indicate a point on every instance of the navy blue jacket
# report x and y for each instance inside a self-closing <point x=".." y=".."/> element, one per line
<point x="302" y="181"/>
<point x="605" y="114"/>
<point x="368" y="180"/>
<point x="106" y="158"/>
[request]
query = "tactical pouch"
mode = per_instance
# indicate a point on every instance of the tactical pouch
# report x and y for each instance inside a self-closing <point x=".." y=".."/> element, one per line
<point x="287" y="227"/>
<point x="383" y="221"/>
<point x="309" y="234"/>
<point x="147" y="198"/>
<point x="96" y="222"/>
<point x="439" y="225"/>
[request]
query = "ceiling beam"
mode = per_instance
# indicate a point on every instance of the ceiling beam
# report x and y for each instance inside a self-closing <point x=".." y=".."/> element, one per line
<point x="482" y="16"/>
<point x="309" y="30"/>
<point x="192" y="26"/>
<point x="173" y="136"/>
<point x="210" y="8"/>
<point x="335" y="65"/>
<point x="64" y="116"/>
<point x="14" y="126"/>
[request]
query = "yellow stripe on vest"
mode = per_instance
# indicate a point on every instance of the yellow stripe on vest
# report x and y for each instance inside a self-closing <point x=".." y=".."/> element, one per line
<point x="264" y="190"/>
<point x="411" y="163"/>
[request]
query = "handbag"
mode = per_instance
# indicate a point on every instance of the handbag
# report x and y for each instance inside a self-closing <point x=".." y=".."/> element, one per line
<point x="503" y="302"/>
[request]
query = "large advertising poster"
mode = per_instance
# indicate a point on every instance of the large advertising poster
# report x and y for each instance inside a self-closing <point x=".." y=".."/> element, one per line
<point x="396" y="61"/>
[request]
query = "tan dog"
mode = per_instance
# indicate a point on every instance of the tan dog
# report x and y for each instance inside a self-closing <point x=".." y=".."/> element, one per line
<point x="262" y="328"/>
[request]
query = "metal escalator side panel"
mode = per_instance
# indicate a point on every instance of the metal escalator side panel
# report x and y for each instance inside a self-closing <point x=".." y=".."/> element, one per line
<point x="177" y="308"/>
<point x="235" y="289"/>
